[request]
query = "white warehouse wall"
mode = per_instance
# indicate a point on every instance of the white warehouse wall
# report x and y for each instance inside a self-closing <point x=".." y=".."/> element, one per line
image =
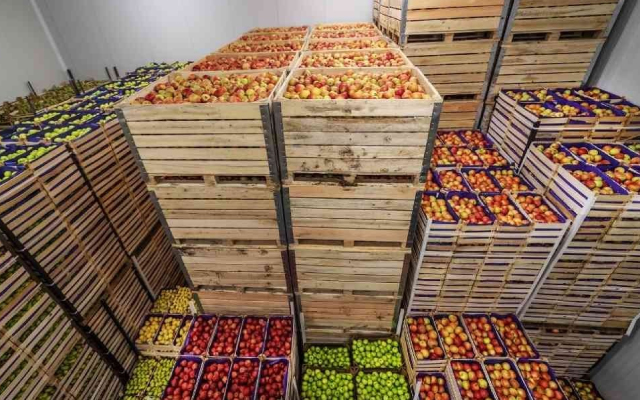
<point x="25" y="52"/>
<point x="93" y="34"/>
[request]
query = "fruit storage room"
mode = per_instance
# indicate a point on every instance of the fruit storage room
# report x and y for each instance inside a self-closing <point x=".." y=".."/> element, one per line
<point x="319" y="200"/>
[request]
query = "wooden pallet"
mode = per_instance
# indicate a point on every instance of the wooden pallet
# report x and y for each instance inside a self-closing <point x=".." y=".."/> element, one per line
<point x="223" y="213"/>
<point x="422" y="20"/>
<point x="210" y="143"/>
<point x="365" y="214"/>
<point x="330" y="317"/>
<point x="349" y="137"/>
<point x="238" y="267"/>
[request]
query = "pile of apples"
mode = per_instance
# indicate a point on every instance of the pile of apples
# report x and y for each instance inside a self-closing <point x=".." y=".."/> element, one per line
<point x="279" y="337"/>
<point x="148" y="331"/>
<point x="168" y="331"/>
<point x="271" y="383"/>
<point x="513" y="337"/>
<point x="481" y="181"/>
<point x="452" y="180"/>
<point x="318" y="45"/>
<point x="476" y="139"/>
<point x="199" y="336"/>
<point x="471" y="380"/>
<point x="212" y="89"/>
<point x="592" y="156"/>
<point x="451" y="139"/>
<point x="593" y="181"/>
<point x="492" y="158"/>
<point x="537" y="376"/>
<point x="469" y="210"/>
<point x="542" y="111"/>
<point x="466" y="157"/>
<point x="343" y="34"/>
<point x="436" y="209"/>
<point x="214" y="381"/>
<point x="536" y="209"/>
<point x="626" y="178"/>
<point x="245" y="62"/>
<point x="509" y="180"/>
<point x="434" y="387"/>
<point x="484" y="336"/>
<point x="270" y="36"/>
<point x="567" y="94"/>
<point x="519" y="96"/>
<point x="454" y="338"/>
<point x="628" y="109"/>
<point x="569" y="110"/>
<point x="262" y="47"/>
<point x="183" y="380"/>
<point x="617" y="153"/>
<point x="567" y="389"/>
<point x="252" y="337"/>
<point x="353" y="59"/>
<point x="244" y="376"/>
<point x="595" y="94"/>
<point x="542" y="95"/>
<point x="587" y="390"/>
<point x="504" y="378"/>
<point x="554" y="153"/>
<point x="597" y="110"/>
<point x="224" y="343"/>
<point x="505" y="211"/>
<point x="442" y="156"/>
<point x="431" y="185"/>
<point x="355" y="85"/>
<point x="424" y="339"/>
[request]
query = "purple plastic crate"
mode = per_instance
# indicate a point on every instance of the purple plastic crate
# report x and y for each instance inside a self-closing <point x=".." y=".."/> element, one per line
<point x="633" y="172"/>
<point x="628" y="106"/>
<point x="613" y="98"/>
<point x="255" y="363"/>
<point x="441" y="135"/>
<point x="439" y="316"/>
<point x="202" y="378"/>
<point x="217" y="333"/>
<point x="444" y="149"/>
<point x="273" y="320"/>
<point x="469" y="195"/>
<point x="264" y="335"/>
<point x="438" y="196"/>
<point x="439" y="375"/>
<point x="552" y="373"/>
<point x="523" y="181"/>
<point x="561" y="218"/>
<point x="606" y="159"/>
<point x="487" y="142"/>
<point x="521" y="327"/>
<point x="467" y="170"/>
<point x="483" y="197"/>
<point x="148" y="317"/>
<point x="623" y="150"/>
<point x="186" y="321"/>
<point x="458" y="174"/>
<point x="285" y="377"/>
<point x="503" y="162"/>
<point x="438" y="338"/>
<point x="551" y="105"/>
<point x="493" y="330"/>
<point x="617" y="189"/>
<point x="198" y="360"/>
<point x="184" y="351"/>
<point x="516" y="92"/>
<point x="599" y="104"/>
<point x="434" y="179"/>
<point x="561" y="92"/>
<point x="493" y="361"/>
<point x="472" y="362"/>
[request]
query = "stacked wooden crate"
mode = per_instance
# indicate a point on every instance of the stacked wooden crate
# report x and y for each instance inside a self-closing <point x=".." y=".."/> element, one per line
<point x="351" y="171"/>
<point x="551" y="44"/>
<point x="572" y="350"/>
<point x="212" y="171"/>
<point x="454" y="43"/>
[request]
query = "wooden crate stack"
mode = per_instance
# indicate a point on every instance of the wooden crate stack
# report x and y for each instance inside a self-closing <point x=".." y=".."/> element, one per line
<point x="454" y="43"/>
<point x="212" y="172"/>
<point x="572" y="350"/>
<point x="351" y="171"/>
<point x="550" y="43"/>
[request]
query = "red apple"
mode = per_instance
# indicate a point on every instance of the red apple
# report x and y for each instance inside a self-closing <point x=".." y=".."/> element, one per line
<point x="454" y="338"/>
<point x="224" y="343"/>
<point x="484" y="336"/>
<point x="244" y="376"/>
<point x="424" y="339"/>
<point x="279" y="337"/>
<point x="183" y="380"/>
<point x="272" y="380"/>
<point x="213" y="381"/>
<point x="513" y="337"/>
<point x="252" y="337"/>
<point x="199" y="335"/>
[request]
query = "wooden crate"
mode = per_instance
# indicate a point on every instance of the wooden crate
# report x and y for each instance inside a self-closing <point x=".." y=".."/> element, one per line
<point x="272" y="46"/>
<point x="305" y="56"/>
<point x="211" y="143"/>
<point x="376" y="42"/>
<point x="157" y="263"/>
<point x="337" y="214"/>
<point x="128" y="300"/>
<point x="288" y="58"/>
<point x="336" y="317"/>
<point x="422" y="20"/>
<point x="351" y="270"/>
<point x="349" y="137"/>
<point x="237" y="267"/>
<point x="222" y="213"/>
<point x="572" y="350"/>
<point x="252" y="302"/>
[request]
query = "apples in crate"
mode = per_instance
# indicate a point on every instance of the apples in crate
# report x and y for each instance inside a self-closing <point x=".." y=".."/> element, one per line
<point x="451" y="139"/>
<point x="556" y="153"/>
<point x="619" y="153"/>
<point x="200" y="335"/>
<point x="224" y="342"/>
<point x="424" y="339"/>
<point x="469" y="210"/>
<point x="467" y="157"/>
<point x="505" y="211"/>
<point x="279" y="337"/>
<point x="436" y="209"/>
<point x="540" y="380"/>
<point x="454" y="337"/>
<point x="471" y="380"/>
<point x="505" y="380"/>
<point x="452" y="180"/>
<point x="481" y="181"/>
<point x="537" y="209"/>
<point x="513" y="336"/>
<point x="350" y="59"/>
<point x="252" y="337"/>
<point x="244" y="377"/>
<point x="593" y="181"/>
<point x="484" y="336"/>
<point x="626" y="178"/>
<point x="508" y="179"/>
<point x="433" y="386"/>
